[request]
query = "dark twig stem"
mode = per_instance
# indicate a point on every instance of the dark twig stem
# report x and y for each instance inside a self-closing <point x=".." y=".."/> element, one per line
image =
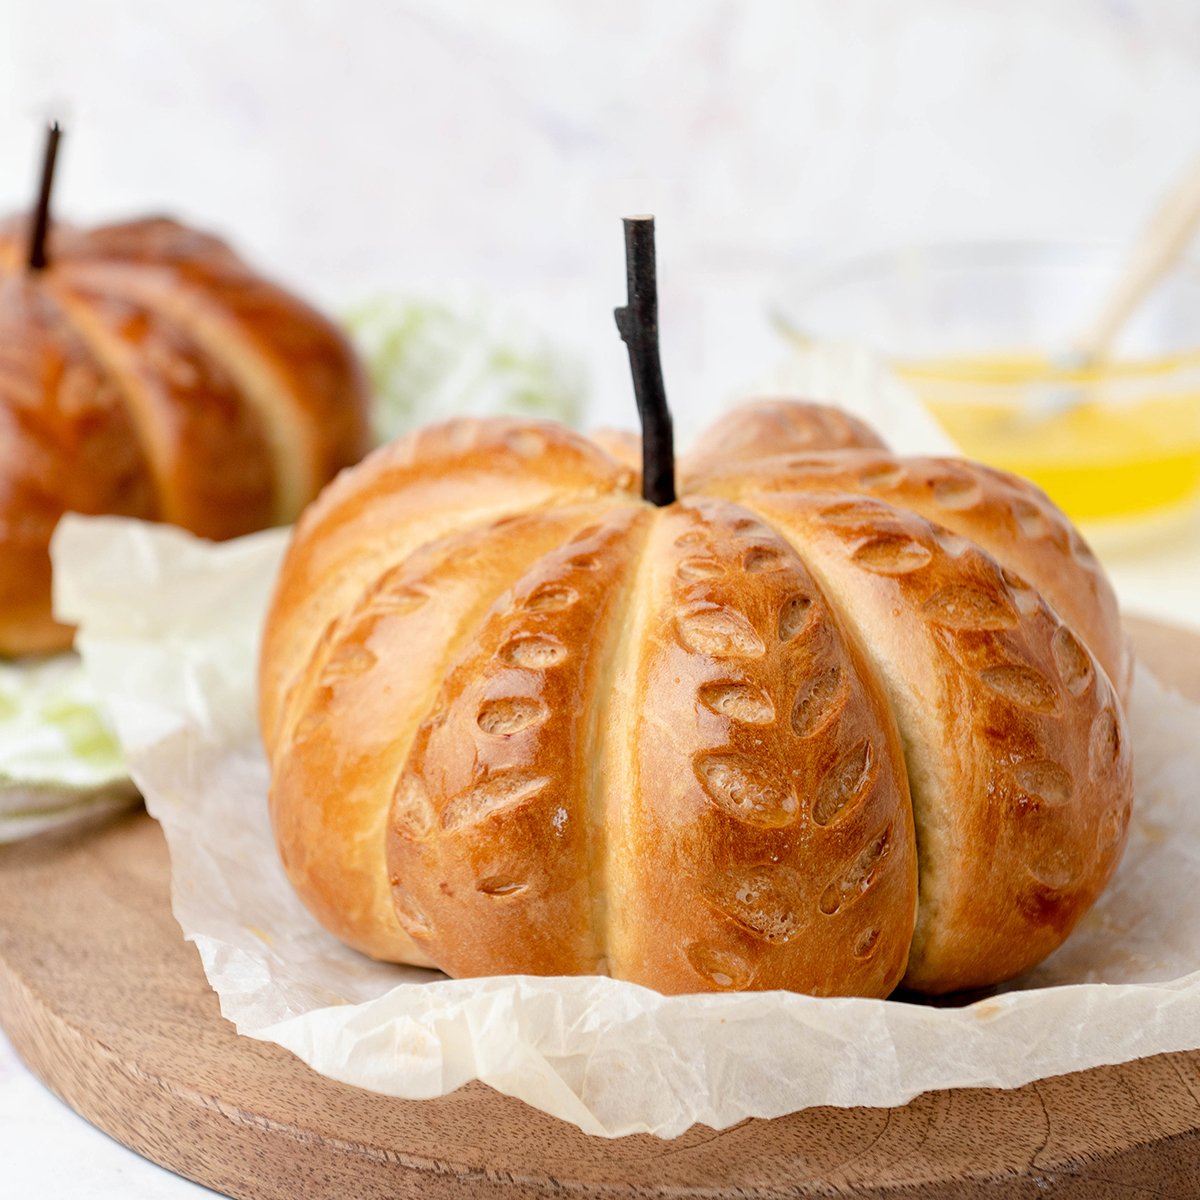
<point x="638" y="323"/>
<point x="41" y="214"/>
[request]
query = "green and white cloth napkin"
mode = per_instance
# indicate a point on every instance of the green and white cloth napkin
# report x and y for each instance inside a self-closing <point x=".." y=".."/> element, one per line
<point x="430" y="359"/>
<point x="59" y="762"/>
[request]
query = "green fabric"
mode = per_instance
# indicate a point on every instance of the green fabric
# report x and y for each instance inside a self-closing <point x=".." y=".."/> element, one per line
<point x="58" y="759"/>
<point x="431" y="360"/>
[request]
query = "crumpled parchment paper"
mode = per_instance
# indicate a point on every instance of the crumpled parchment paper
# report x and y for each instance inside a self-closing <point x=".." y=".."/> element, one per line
<point x="169" y="633"/>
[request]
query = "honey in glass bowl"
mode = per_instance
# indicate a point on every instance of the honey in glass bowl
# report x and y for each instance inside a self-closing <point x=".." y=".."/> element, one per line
<point x="982" y="334"/>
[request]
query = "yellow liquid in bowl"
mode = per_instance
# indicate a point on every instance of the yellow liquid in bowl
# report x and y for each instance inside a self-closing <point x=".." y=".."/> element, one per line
<point x="1116" y="441"/>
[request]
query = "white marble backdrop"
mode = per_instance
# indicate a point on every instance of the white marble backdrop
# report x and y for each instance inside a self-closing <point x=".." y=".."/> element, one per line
<point x="353" y="146"/>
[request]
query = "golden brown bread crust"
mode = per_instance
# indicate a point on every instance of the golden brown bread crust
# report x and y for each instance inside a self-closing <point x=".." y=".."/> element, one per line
<point x="781" y="445"/>
<point x="491" y="841"/>
<point x="762" y="831"/>
<point x="1011" y="519"/>
<point x="149" y="372"/>
<point x="678" y="744"/>
<point x="522" y="832"/>
<point x="358" y="708"/>
<point x="205" y="448"/>
<point x="760" y="428"/>
<point x="625" y="447"/>
<point x="66" y="443"/>
<point x="429" y="484"/>
<point x="1018" y="766"/>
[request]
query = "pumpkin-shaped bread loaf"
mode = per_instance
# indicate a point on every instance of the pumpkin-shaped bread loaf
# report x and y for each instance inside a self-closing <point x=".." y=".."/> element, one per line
<point x="832" y="720"/>
<point x="146" y="371"/>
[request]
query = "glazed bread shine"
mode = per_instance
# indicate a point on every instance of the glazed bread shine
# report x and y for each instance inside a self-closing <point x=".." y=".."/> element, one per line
<point x="832" y="721"/>
<point x="148" y="372"/>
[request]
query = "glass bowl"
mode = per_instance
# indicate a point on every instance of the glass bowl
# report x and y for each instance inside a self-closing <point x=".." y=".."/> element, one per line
<point x="983" y="335"/>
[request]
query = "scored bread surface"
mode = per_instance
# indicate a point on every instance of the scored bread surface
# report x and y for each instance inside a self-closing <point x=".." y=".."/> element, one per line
<point x="148" y="372"/>
<point x="429" y="484"/>
<point x="522" y="722"/>
<point x="998" y="704"/>
<point x="66" y="443"/>
<point x="764" y="836"/>
<point x="1007" y="517"/>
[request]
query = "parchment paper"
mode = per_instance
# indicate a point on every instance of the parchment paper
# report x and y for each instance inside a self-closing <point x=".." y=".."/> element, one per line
<point x="169" y="631"/>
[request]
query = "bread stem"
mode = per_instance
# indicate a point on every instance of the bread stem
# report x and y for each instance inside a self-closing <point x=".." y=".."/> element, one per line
<point x="638" y="325"/>
<point x="41" y="213"/>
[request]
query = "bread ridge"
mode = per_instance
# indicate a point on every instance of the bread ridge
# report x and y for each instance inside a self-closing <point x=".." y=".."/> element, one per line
<point x="609" y="749"/>
<point x="308" y="442"/>
<point x="65" y="443"/>
<point x="355" y="713"/>
<point x="1008" y="517"/>
<point x="983" y="679"/>
<point x="467" y="469"/>
<point x="765" y="426"/>
<point x="175" y="405"/>
<point x="738" y="865"/>
<point x="440" y="549"/>
<point x="492" y="829"/>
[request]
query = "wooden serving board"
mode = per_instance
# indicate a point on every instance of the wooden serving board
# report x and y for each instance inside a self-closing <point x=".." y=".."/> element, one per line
<point x="108" y="1005"/>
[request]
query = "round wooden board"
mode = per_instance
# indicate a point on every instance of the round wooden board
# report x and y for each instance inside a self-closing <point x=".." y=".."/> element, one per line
<point x="109" y="1006"/>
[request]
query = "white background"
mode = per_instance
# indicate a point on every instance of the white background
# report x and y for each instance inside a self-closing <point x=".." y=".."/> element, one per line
<point x="351" y="146"/>
<point x="355" y="147"/>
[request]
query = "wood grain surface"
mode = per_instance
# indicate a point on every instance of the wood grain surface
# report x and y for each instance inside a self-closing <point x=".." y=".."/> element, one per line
<point x="108" y="1005"/>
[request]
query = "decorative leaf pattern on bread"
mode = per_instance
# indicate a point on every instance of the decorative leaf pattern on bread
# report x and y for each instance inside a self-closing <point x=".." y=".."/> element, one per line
<point x="712" y="745"/>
